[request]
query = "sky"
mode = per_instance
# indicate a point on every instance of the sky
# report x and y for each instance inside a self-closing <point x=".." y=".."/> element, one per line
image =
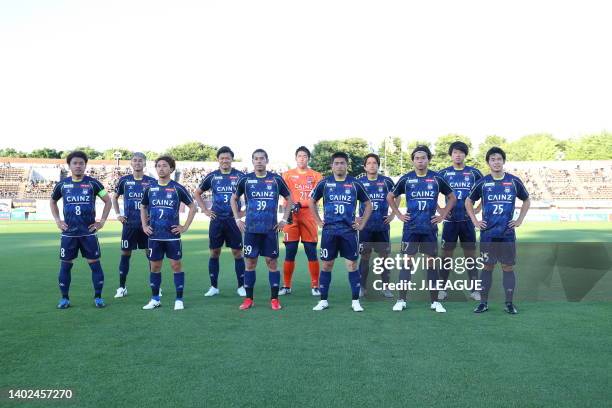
<point x="277" y="74"/>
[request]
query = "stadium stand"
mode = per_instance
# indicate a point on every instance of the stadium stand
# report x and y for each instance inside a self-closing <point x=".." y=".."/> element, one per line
<point x="551" y="184"/>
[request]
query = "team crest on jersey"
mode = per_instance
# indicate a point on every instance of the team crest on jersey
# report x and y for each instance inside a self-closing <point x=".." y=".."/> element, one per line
<point x="347" y="191"/>
<point x="269" y="187"/>
<point x="310" y="179"/>
<point x="429" y="186"/>
<point x="380" y="189"/>
<point x="507" y="190"/>
<point x="169" y="195"/>
<point x="85" y="191"/>
<point x="467" y="178"/>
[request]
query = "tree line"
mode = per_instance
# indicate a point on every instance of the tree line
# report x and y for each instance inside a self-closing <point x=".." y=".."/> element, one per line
<point x="394" y="152"/>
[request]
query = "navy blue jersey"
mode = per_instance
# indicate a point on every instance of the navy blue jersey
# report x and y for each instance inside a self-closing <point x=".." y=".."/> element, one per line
<point x="261" y="198"/>
<point x="421" y="198"/>
<point x="462" y="182"/>
<point x="377" y="190"/>
<point x="163" y="203"/>
<point x="79" y="203"/>
<point x="339" y="201"/>
<point x="498" y="198"/>
<point x="132" y="190"/>
<point x="222" y="186"/>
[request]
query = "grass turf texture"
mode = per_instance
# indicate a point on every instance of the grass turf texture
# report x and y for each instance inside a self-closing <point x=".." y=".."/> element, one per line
<point x="212" y="354"/>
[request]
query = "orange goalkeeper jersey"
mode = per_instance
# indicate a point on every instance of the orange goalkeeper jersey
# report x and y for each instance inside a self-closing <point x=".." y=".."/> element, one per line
<point x="301" y="183"/>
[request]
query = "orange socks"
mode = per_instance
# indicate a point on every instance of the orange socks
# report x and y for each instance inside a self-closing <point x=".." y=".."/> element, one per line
<point x="288" y="268"/>
<point x="313" y="268"/>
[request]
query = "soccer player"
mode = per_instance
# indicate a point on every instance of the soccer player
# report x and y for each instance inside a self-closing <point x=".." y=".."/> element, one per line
<point x="159" y="215"/>
<point x="222" y="228"/>
<point x="421" y="187"/>
<point x="375" y="234"/>
<point x="498" y="192"/>
<point x="458" y="225"/>
<point x="340" y="193"/>
<point x="301" y="181"/>
<point x="79" y="226"/>
<point x="262" y="190"/>
<point x="131" y="187"/>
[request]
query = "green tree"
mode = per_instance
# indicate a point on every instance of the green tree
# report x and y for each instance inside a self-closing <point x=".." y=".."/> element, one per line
<point x="10" y="152"/>
<point x="537" y="147"/>
<point x="193" y="151"/>
<point x="46" y="153"/>
<point x="590" y="147"/>
<point x="356" y="148"/>
<point x="92" y="154"/>
<point x="109" y="154"/>
<point x="394" y="157"/>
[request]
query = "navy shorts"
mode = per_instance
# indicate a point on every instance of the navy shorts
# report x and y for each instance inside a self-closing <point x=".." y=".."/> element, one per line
<point x="171" y="249"/>
<point x="425" y="243"/>
<point x="463" y="231"/>
<point x="344" y="242"/>
<point x="88" y="245"/>
<point x="265" y="244"/>
<point x="498" y="249"/>
<point x="379" y="241"/>
<point x="224" y="231"/>
<point x="133" y="238"/>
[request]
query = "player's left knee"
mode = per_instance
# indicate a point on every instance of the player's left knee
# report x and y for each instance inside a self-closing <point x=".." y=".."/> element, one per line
<point x="508" y="268"/>
<point x="176" y="266"/>
<point x="351" y="265"/>
<point x="310" y="248"/>
<point x="92" y="261"/>
<point x="237" y="253"/>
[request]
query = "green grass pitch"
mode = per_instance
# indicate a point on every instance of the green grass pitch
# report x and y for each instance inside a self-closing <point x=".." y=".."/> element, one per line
<point x="553" y="353"/>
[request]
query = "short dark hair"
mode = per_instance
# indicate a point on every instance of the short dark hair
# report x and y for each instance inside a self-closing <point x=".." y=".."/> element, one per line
<point x="374" y="155"/>
<point x="260" y="151"/>
<point x="495" y="150"/>
<point x="421" y="148"/>
<point x="339" y="155"/>
<point x="303" y="149"/>
<point x="168" y="159"/>
<point x="458" y="145"/>
<point x="76" y="153"/>
<point x="224" y="149"/>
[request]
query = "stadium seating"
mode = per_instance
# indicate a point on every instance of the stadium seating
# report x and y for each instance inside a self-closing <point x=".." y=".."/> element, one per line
<point x="548" y="182"/>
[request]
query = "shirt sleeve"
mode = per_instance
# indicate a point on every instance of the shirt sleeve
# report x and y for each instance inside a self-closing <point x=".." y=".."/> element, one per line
<point x="283" y="189"/>
<point x="145" y="197"/>
<point x="476" y="193"/>
<point x="184" y="195"/>
<point x="206" y="183"/>
<point x="317" y="193"/>
<point x="57" y="191"/>
<point x="98" y="188"/>
<point x="521" y="191"/>
<point x="362" y="195"/>
<point x="445" y="188"/>
<point x="477" y="175"/>
<point x="240" y="187"/>
<point x="400" y="187"/>
<point x="120" y="187"/>
<point x="389" y="183"/>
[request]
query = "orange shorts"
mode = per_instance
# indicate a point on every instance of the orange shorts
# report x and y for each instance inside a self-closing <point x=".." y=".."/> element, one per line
<point x="303" y="229"/>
